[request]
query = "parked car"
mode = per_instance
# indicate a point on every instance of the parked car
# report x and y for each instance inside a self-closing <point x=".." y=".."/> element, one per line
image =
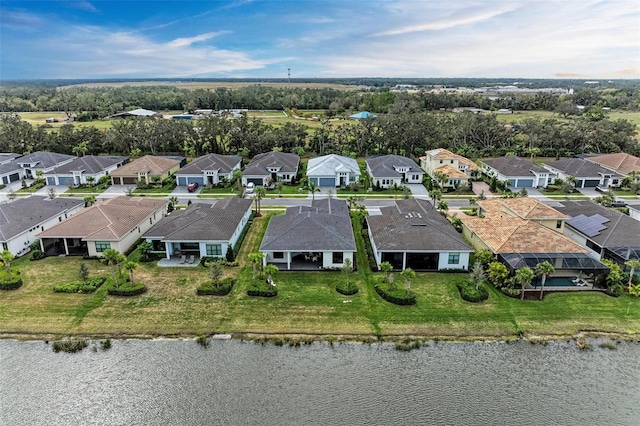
<point x="192" y="186"/>
<point x="250" y="188"/>
<point x="618" y="203"/>
<point x="602" y="189"/>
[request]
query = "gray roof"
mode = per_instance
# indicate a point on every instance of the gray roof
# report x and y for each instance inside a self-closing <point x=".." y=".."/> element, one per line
<point x="89" y="164"/>
<point x="385" y="165"/>
<point x="616" y="230"/>
<point x="326" y="225"/>
<point x="580" y="168"/>
<point x="44" y="160"/>
<point x="287" y="162"/>
<point x="202" y="222"/>
<point x="222" y="163"/>
<point x="8" y="156"/>
<point x="329" y="165"/>
<point x="414" y="225"/>
<point x="514" y="166"/>
<point x="9" y="168"/>
<point x="25" y="213"/>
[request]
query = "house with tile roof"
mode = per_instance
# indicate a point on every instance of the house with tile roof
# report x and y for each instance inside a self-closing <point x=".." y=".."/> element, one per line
<point x="389" y="170"/>
<point x="201" y="229"/>
<point x="411" y="234"/>
<point x="311" y="238"/>
<point x="519" y="172"/>
<point x="605" y="232"/>
<point x="620" y="162"/>
<point x="31" y="164"/>
<point x="145" y="169"/>
<point x="333" y="170"/>
<point x="520" y="235"/>
<point x="77" y="171"/>
<point x="456" y="167"/>
<point x="22" y="219"/>
<point x="115" y="223"/>
<point x="270" y="167"/>
<point x="587" y="173"/>
<point x="208" y="169"/>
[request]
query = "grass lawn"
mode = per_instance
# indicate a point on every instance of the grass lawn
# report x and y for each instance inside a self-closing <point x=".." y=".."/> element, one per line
<point x="97" y="189"/>
<point x="307" y="303"/>
<point x="229" y="190"/>
<point x="166" y="190"/>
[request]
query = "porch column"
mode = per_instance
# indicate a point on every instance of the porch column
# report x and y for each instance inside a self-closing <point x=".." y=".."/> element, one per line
<point x="404" y="260"/>
<point x="166" y="250"/>
<point x="41" y="245"/>
<point x="264" y="260"/>
<point x="66" y="247"/>
<point x="288" y="260"/>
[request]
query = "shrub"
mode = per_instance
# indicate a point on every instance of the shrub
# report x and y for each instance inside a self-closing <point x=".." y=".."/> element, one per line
<point x="238" y="244"/>
<point x="105" y="344"/>
<point x="211" y="288"/>
<point x="37" y="255"/>
<point x="261" y="289"/>
<point x="88" y="286"/>
<point x="10" y="282"/>
<point x="203" y="341"/>
<point x="347" y="288"/>
<point x="407" y="345"/>
<point x="206" y="260"/>
<point x="511" y="292"/>
<point x="470" y="293"/>
<point x="397" y="296"/>
<point x="69" y="346"/>
<point x="126" y="289"/>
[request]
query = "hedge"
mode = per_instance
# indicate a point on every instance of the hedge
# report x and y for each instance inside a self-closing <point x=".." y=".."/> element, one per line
<point x="347" y="288"/>
<point x="210" y="288"/>
<point x="396" y="296"/>
<point x="205" y="260"/>
<point x="262" y="289"/>
<point x="88" y="286"/>
<point x="37" y="255"/>
<point x="10" y="282"/>
<point x="126" y="289"/>
<point x="238" y="244"/>
<point x="470" y="293"/>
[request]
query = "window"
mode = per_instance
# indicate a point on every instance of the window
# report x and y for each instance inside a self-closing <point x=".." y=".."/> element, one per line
<point x="150" y="221"/>
<point x="102" y="246"/>
<point x="454" y="258"/>
<point x="338" y="257"/>
<point x="5" y="246"/>
<point x="441" y="161"/>
<point x="278" y="255"/>
<point x="558" y="224"/>
<point x="214" y="249"/>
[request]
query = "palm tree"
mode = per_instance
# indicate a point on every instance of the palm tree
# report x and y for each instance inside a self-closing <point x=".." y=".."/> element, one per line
<point x="80" y="149"/>
<point x="441" y="178"/>
<point x="270" y="270"/>
<point x="7" y="257"/>
<point x="130" y="266"/>
<point x="408" y="274"/>
<point x="254" y="258"/>
<point x="236" y="177"/>
<point x="112" y="258"/>
<point x="279" y="185"/>
<point x="543" y="270"/>
<point x="257" y="197"/>
<point x="90" y="180"/>
<point x="443" y="207"/>
<point x="313" y="188"/>
<point x="436" y="195"/>
<point x="386" y="268"/>
<point x="524" y="276"/>
<point x="347" y="268"/>
<point x="173" y="202"/>
<point x="89" y="200"/>
<point x="633" y="264"/>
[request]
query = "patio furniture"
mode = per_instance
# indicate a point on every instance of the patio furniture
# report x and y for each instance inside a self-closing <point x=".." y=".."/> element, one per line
<point x="581" y="283"/>
<point x="183" y="259"/>
<point x="314" y="259"/>
<point x="192" y="259"/>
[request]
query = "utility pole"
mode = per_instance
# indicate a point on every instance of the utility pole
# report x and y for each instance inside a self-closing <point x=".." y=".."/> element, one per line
<point x="289" y="73"/>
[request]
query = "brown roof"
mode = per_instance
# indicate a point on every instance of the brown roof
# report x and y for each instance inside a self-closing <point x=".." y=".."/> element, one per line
<point x="445" y="153"/>
<point x="108" y="220"/>
<point x="451" y="172"/>
<point x="152" y="165"/>
<point x="523" y="207"/>
<point x="620" y="162"/>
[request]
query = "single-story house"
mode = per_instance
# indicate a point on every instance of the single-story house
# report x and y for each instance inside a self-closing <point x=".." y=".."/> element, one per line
<point x="588" y="174"/>
<point x="456" y="167"/>
<point x="201" y="229"/>
<point x="210" y="168"/>
<point x="145" y="169"/>
<point x="621" y="163"/>
<point x="22" y="219"/>
<point x="140" y="112"/>
<point x="520" y="172"/>
<point x="30" y="164"/>
<point x="388" y="170"/>
<point x="333" y="170"/>
<point x="269" y="167"/>
<point x="411" y="234"/>
<point x="77" y="171"/>
<point x="10" y="172"/>
<point x="312" y="238"/>
<point x="517" y="241"/>
<point x="7" y="157"/>
<point x="115" y="223"/>
<point x="605" y="232"/>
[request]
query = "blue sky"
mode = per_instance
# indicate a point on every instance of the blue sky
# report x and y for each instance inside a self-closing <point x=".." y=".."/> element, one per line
<point x="364" y="38"/>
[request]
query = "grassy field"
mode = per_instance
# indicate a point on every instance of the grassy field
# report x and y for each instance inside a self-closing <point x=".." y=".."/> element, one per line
<point x="307" y="303"/>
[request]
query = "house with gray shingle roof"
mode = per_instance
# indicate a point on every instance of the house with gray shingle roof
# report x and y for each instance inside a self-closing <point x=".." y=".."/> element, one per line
<point x="588" y="174"/>
<point x="115" y="223"/>
<point x="387" y="170"/>
<point x="333" y="170"/>
<point x="411" y="234"/>
<point x="311" y="238"/>
<point x="201" y="229"/>
<point x="30" y="164"/>
<point x="21" y="220"/>
<point x="76" y="172"/>
<point x="520" y="172"/>
<point x="208" y="169"/>
<point x="270" y="167"/>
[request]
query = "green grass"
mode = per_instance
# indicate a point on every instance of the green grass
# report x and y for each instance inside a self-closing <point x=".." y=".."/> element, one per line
<point x="229" y="190"/>
<point x="97" y="189"/>
<point x="166" y="189"/>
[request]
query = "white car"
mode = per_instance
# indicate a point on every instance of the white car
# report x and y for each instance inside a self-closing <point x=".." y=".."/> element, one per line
<point x="250" y="187"/>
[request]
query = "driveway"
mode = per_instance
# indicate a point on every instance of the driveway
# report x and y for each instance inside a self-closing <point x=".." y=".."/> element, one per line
<point x="418" y="190"/>
<point x="589" y="192"/>
<point x="182" y="191"/>
<point x="482" y="188"/>
<point x="44" y="191"/>
<point x="115" y="191"/>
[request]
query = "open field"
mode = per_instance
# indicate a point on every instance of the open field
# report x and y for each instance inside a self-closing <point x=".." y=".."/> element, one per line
<point x="307" y="303"/>
<point x="218" y="84"/>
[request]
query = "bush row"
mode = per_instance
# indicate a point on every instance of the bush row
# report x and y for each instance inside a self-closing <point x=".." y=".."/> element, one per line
<point x="347" y="288"/>
<point x="262" y="289"/>
<point x="88" y="286"/>
<point x="396" y="296"/>
<point x="236" y="247"/>
<point x="10" y="282"/>
<point x="470" y="293"/>
<point x="211" y="288"/>
<point x="126" y="289"/>
<point x="206" y="260"/>
<point x="69" y="346"/>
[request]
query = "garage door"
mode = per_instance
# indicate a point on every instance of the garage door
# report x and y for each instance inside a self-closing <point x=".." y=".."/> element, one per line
<point x="525" y="183"/>
<point x="65" y="181"/>
<point x="182" y="181"/>
<point x="591" y="183"/>
<point x="14" y="177"/>
<point x="51" y="180"/>
<point x="128" y="181"/>
<point x="256" y="181"/>
<point x="198" y="180"/>
<point x="327" y="181"/>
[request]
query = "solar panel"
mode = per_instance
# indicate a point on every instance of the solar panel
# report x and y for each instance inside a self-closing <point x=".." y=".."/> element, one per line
<point x="588" y="225"/>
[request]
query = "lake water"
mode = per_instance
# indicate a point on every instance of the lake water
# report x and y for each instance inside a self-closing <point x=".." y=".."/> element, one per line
<point x="177" y="382"/>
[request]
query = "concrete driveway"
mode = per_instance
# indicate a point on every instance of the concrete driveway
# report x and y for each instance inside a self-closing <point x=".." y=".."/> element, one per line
<point x="418" y="190"/>
<point x="115" y="191"/>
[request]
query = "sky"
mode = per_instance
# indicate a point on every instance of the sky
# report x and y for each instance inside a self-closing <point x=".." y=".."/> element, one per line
<point x="87" y="39"/>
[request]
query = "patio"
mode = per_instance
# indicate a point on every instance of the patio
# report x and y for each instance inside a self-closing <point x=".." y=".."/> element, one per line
<point x="179" y="262"/>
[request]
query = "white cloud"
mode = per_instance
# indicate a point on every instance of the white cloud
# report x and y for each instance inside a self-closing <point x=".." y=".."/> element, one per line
<point x="188" y="41"/>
